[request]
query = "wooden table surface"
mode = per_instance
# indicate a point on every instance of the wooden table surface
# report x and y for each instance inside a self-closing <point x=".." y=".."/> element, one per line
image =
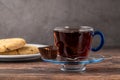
<point x="39" y="70"/>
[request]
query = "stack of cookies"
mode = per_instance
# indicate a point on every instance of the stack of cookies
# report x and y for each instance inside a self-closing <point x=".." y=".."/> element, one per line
<point x="16" y="46"/>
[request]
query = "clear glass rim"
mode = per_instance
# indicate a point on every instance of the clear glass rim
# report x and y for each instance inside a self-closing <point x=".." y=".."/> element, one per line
<point x="74" y="29"/>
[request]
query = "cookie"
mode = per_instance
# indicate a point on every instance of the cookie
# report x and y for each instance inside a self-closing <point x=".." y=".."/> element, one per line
<point x="22" y="51"/>
<point x="14" y="52"/>
<point x="28" y="50"/>
<point x="11" y="44"/>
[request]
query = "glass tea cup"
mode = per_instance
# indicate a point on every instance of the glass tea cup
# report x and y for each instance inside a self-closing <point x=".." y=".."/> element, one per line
<point x="74" y="43"/>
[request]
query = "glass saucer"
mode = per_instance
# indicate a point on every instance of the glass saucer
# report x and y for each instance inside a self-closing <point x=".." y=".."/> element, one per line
<point x="78" y="64"/>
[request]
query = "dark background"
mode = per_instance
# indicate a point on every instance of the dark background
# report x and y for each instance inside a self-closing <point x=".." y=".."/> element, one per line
<point x="35" y="20"/>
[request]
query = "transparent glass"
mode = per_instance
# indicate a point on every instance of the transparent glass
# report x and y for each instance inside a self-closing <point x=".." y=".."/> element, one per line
<point x="72" y="48"/>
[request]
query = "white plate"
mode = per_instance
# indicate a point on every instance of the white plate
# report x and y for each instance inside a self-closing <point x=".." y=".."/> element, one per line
<point x="22" y="57"/>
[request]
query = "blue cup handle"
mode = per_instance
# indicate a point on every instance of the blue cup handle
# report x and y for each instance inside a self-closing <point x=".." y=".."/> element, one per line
<point x="101" y="40"/>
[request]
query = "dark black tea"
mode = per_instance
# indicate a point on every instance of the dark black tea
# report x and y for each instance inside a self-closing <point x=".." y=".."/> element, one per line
<point x="73" y="44"/>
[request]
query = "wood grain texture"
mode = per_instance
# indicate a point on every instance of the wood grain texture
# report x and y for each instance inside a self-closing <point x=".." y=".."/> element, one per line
<point x="39" y="70"/>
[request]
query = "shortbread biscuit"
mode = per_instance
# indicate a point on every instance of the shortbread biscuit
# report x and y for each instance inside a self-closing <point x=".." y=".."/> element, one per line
<point x="11" y="44"/>
<point x="22" y="51"/>
<point x="2" y="48"/>
<point x="14" y="52"/>
<point x="28" y="50"/>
